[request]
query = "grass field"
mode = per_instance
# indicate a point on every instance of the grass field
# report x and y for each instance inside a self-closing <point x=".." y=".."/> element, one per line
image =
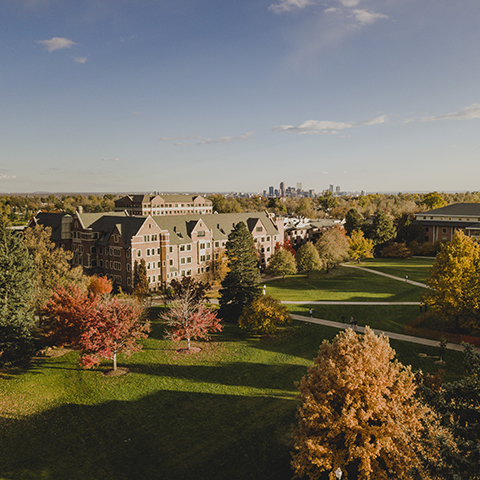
<point x="224" y="413"/>
<point x="417" y="269"/>
<point x="344" y="284"/>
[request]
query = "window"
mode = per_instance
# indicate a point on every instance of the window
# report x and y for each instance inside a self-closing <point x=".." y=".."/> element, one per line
<point x="208" y="257"/>
<point x="95" y="235"/>
<point x="182" y="261"/>
<point x="171" y="249"/>
<point x="444" y="230"/>
<point x="116" y="266"/>
<point x="189" y="259"/>
<point x="146" y="238"/>
<point x="217" y="244"/>
<point x="268" y="239"/>
<point x="202" y="258"/>
<point x="101" y="263"/>
<point x="189" y="272"/>
<point x="129" y="267"/>
<point x="201" y="233"/>
<point x="106" y="264"/>
<point x="153" y="279"/>
<point x="427" y="229"/>
<point x="159" y="264"/>
<point x="171" y="262"/>
<point x="100" y="249"/>
<point x="80" y="248"/>
<point x="202" y="246"/>
<point x="93" y="263"/>
<point x="93" y="249"/>
<point x="189" y="247"/>
<point x="259" y="229"/>
<point x="182" y="248"/>
<point x="148" y="252"/>
<point x="158" y="251"/>
<point x="208" y="244"/>
<point x="139" y="253"/>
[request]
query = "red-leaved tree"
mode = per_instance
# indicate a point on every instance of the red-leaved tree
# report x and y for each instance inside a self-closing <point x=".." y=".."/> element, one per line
<point x="63" y="314"/>
<point x="187" y="321"/>
<point x="109" y="329"/>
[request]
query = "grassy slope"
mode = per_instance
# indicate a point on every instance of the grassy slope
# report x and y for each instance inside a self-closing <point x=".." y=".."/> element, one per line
<point x="417" y="269"/>
<point x="223" y="413"/>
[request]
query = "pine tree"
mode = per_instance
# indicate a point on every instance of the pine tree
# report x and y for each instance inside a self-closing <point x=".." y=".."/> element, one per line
<point x="140" y="280"/>
<point x="240" y="286"/>
<point x="17" y="274"/>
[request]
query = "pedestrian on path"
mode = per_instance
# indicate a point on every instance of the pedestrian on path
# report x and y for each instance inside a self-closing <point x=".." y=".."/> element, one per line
<point x="355" y="324"/>
<point x="351" y="321"/>
<point x="311" y="312"/>
<point x="343" y="318"/>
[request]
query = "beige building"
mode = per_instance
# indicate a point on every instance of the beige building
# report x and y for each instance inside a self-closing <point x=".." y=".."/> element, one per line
<point x="160" y="205"/>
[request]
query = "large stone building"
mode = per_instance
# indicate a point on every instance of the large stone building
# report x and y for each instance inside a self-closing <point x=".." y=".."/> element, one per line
<point x="159" y="205"/>
<point x="440" y="224"/>
<point x="172" y="246"/>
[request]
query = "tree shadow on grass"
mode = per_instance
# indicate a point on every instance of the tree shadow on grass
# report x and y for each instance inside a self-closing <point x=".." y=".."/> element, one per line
<point x="167" y="435"/>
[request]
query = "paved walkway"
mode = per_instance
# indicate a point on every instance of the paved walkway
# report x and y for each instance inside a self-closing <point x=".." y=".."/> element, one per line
<point x="418" y="284"/>
<point x="333" y="302"/>
<point x="395" y="336"/>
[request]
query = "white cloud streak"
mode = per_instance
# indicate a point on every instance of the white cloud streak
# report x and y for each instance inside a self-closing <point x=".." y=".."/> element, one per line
<point x="80" y="59"/>
<point x="56" y="43"/>
<point x="324" y="127"/>
<point x="185" y="140"/>
<point x="469" y="113"/>
<point x="287" y="5"/>
<point x="4" y="176"/>
<point x="209" y="141"/>
<point x="364" y="17"/>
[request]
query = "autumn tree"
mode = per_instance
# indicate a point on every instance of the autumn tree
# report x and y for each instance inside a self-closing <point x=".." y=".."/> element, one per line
<point x="99" y="285"/>
<point x="282" y="263"/>
<point x="359" y="413"/>
<point x="455" y="282"/>
<point x="360" y="247"/>
<point x="240" y="286"/>
<point x="332" y="247"/>
<point x="307" y="259"/>
<point x="17" y="280"/>
<point x="433" y="201"/>
<point x="264" y="314"/>
<point x="109" y="329"/>
<point x="64" y="313"/>
<point x="186" y="321"/>
<point x="52" y="263"/>
<point x="196" y="290"/>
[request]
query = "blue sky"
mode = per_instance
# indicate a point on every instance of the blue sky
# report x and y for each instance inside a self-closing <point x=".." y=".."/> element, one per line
<point x="238" y="95"/>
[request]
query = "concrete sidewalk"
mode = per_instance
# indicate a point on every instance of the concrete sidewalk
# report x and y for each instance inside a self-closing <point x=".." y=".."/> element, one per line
<point x="341" y="302"/>
<point x="395" y="336"/>
<point x="417" y="284"/>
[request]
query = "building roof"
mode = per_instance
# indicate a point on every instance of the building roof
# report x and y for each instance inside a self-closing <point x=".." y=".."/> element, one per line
<point x="52" y="220"/>
<point x="457" y="209"/>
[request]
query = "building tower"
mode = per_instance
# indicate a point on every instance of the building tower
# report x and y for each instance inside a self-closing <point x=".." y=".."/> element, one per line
<point x="282" y="189"/>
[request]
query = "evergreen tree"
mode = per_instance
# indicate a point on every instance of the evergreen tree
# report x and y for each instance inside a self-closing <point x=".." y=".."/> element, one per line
<point x="140" y="279"/>
<point x="17" y="274"/>
<point x="382" y="229"/>
<point x="353" y="221"/>
<point x="240" y="286"/>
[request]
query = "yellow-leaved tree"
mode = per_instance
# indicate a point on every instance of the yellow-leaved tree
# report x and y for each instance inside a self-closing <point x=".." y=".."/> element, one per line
<point x="455" y="281"/>
<point x="359" y="414"/>
<point x="360" y="247"/>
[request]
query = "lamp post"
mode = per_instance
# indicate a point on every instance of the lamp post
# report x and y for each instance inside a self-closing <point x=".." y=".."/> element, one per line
<point x="264" y="289"/>
<point x="338" y="473"/>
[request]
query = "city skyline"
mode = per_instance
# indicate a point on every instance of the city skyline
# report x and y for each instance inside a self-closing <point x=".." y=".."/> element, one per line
<point x="208" y="96"/>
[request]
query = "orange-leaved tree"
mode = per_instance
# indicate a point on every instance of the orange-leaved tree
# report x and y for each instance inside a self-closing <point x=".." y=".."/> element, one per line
<point x="359" y="414"/>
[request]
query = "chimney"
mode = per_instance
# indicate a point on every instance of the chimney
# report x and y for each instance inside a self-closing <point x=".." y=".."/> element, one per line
<point x="80" y="209"/>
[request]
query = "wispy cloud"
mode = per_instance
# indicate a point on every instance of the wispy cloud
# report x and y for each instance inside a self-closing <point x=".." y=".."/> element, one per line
<point x="324" y="127"/>
<point x="104" y="159"/>
<point x="469" y="113"/>
<point x="56" y="43"/>
<point x="287" y="5"/>
<point x="209" y="141"/>
<point x="185" y="140"/>
<point x="6" y="176"/>
<point x="80" y="59"/>
<point x="138" y="113"/>
<point x="364" y="17"/>
<point x="349" y="3"/>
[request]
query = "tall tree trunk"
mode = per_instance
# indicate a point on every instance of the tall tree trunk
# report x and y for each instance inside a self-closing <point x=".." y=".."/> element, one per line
<point x="114" y="362"/>
<point x="188" y="343"/>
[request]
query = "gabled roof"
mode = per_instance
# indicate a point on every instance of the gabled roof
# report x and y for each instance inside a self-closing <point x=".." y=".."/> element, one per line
<point x="457" y="209"/>
<point x="52" y="220"/>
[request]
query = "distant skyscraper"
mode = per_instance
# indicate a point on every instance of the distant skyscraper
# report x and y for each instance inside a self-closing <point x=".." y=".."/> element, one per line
<point x="331" y="188"/>
<point x="270" y="191"/>
<point x="299" y="187"/>
<point x="337" y="189"/>
<point x="282" y="189"/>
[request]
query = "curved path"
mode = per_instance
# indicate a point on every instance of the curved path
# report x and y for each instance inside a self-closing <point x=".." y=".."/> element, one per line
<point x="341" y="302"/>
<point x="395" y="336"/>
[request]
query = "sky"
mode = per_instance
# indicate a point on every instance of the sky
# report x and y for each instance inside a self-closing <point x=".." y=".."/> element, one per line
<point x="239" y="95"/>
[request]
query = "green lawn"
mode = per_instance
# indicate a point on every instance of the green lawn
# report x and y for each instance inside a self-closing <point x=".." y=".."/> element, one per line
<point x="343" y="284"/>
<point x="224" y="413"/>
<point x="417" y="269"/>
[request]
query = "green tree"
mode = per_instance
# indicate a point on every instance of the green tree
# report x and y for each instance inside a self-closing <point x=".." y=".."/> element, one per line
<point x="359" y="413"/>
<point x="327" y="201"/>
<point x="333" y="247"/>
<point x="455" y="282"/>
<point x="353" y="221"/>
<point x="140" y="280"/>
<point x="52" y="264"/>
<point x="307" y="259"/>
<point x="264" y="314"/>
<point x="382" y="229"/>
<point x="240" y="286"/>
<point x="17" y="280"/>
<point x="360" y="247"/>
<point x="282" y="263"/>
